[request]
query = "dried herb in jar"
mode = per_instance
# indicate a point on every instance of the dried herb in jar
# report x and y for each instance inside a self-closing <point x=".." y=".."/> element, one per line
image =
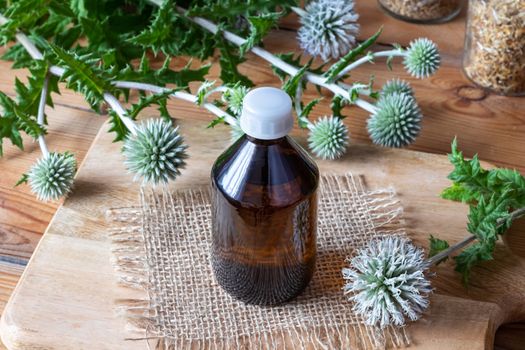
<point x="495" y="45"/>
<point x="422" y="10"/>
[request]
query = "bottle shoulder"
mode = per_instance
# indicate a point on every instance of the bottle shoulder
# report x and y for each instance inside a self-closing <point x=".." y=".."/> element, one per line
<point x="258" y="174"/>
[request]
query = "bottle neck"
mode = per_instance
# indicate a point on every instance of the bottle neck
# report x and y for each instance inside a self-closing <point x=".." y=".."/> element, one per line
<point x="265" y="142"/>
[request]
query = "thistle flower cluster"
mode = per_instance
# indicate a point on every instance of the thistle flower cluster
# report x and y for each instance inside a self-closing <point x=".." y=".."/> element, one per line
<point x="328" y="137"/>
<point x="422" y="58"/>
<point x="234" y="96"/>
<point x="387" y="283"/>
<point x="396" y="121"/>
<point x="51" y="177"/>
<point x="156" y="152"/>
<point x="329" y="28"/>
<point x="396" y="86"/>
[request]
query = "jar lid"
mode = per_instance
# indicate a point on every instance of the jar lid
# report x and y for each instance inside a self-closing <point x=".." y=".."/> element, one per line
<point x="267" y="113"/>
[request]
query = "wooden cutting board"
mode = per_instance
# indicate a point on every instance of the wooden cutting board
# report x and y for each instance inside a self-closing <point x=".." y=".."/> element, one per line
<point x="65" y="297"/>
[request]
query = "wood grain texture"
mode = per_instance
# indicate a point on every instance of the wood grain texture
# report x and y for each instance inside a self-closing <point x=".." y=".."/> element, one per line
<point x="489" y="124"/>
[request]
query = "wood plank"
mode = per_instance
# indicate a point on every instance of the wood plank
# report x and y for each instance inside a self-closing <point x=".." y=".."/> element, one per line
<point x="80" y="226"/>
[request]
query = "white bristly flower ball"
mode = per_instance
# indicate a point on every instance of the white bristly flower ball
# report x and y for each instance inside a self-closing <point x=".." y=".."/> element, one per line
<point x="233" y="97"/>
<point x="156" y="153"/>
<point x="52" y="176"/>
<point x="386" y="282"/>
<point x="329" y="28"/>
<point x="328" y="137"/>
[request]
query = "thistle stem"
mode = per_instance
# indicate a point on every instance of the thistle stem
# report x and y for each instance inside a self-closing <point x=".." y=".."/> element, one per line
<point x="40" y="117"/>
<point x="370" y="59"/>
<point x="177" y="94"/>
<point x="467" y="240"/>
<point x="299" y="11"/>
<point x="274" y="60"/>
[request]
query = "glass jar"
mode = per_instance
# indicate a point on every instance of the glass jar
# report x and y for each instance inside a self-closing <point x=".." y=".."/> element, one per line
<point x="494" y="55"/>
<point x="422" y="11"/>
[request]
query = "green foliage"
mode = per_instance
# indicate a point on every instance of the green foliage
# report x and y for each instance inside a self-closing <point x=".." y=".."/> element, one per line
<point x="160" y="100"/>
<point x="259" y="27"/>
<point x="83" y="75"/>
<point x="492" y="195"/>
<point x="333" y="72"/>
<point x="436" y="246"/>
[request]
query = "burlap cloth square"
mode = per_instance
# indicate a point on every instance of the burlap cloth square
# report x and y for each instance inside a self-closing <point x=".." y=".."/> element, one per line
<point x="162" y="248"/>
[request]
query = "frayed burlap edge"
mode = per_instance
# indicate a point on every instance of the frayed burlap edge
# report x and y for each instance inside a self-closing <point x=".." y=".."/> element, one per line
<point x="131" y="266"/>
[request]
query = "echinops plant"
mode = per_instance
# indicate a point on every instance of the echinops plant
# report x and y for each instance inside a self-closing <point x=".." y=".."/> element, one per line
<point x="75" y="43"/>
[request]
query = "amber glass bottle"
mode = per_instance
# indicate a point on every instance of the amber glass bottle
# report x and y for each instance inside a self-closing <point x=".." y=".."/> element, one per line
<point x="264" y="207"/>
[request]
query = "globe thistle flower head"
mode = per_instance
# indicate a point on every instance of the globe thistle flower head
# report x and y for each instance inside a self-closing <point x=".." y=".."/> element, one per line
<point x="234" y="97"/>
<point x="422" y="58"/>
<point x="156" y="153"/>
<point x="387" y="283"/>
<point x="396" y="86"/>
<point x="328" y="138"/>
<point x="51" y="177"/>
<point x="329" y="28"/>
<point x="396" y="121"/>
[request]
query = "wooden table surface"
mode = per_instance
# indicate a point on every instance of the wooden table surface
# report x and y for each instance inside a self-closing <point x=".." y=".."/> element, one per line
<point x="491" y="125"/>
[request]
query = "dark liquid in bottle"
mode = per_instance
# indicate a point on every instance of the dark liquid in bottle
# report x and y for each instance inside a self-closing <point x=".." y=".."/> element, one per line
<point x="264" y="220"/>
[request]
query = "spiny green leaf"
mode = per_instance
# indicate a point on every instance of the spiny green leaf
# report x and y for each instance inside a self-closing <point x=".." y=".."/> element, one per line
<point x="159" y="100"/>
<point x="333" y="72"/>
<point x="437" y="246"/>
<point x="23" y="180"/>
<point x="259" y="27"/>
<point x="305" y="112"/>
<point x="164" y="75"/>
<point x="82" y="75"/>
<point x="117" y="126"/>
<point x="158" y="36"/>
<point x="229" y="61"/>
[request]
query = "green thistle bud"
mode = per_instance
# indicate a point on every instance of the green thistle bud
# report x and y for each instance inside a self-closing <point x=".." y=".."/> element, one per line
<point x="422" y="58"/>
<point x="234" y="97"/>
<point x="156" y="153"/>
<point x="397" y="86"/>
<point x="328" y="138"/>
<point x="396" y="122"/>
<point x="52" y="176"/>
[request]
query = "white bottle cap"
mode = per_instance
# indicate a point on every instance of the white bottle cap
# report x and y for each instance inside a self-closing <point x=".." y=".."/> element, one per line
<point x="267" y="113"/>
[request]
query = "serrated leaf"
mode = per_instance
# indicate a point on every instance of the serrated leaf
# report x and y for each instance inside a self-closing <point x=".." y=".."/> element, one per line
<point x="82" y="75"/>
<point x="334" y="71"/>
<point x="259" y="26"/>
<point x="437" y="246"/>
<point x="216" y="121"/>
<point x="117" y="126"/>
<point x="23" y="180"/>
<point x="337" y="104"/>
<point x="305" y="112"/>
<point x="229" y="61"/>
<point x="158" y="100"/>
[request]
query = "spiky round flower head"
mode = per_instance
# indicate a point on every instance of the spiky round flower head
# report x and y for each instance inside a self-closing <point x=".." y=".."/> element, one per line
<point x="234" y="97"/>
<point x="329" y="28"/>
<point x="396" y="121"/>
<point x="422" y="58"/>
<point x="52" y="176"/>
<point x="396" y="86"/>
<point x="156" y="152"/>
<point x="328" y="137"/>
<point x="387" y="282"/>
